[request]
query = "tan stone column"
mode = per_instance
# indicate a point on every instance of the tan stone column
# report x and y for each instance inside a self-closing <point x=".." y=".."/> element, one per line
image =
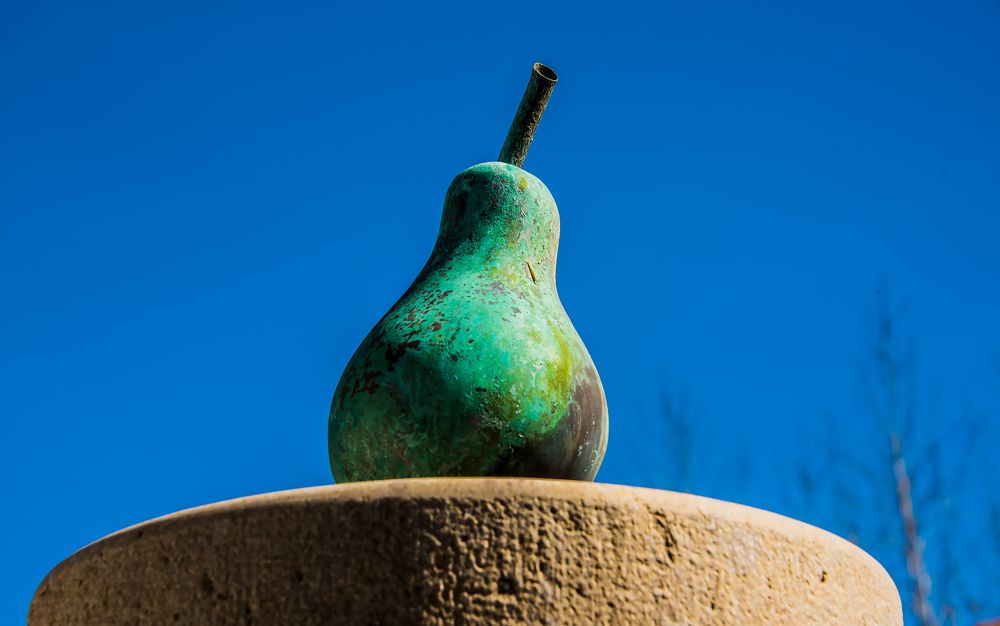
<point x="470" y="551"/>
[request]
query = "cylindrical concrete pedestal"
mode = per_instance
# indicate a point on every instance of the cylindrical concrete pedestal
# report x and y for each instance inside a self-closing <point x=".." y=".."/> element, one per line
<point x="470" y="551"/>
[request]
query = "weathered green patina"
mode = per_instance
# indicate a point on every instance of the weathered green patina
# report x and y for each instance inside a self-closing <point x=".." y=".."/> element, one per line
<point x="477" y="369"/>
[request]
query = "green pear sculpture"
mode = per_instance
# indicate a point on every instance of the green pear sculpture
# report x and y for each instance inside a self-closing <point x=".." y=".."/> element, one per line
<point x="477" y="369"/>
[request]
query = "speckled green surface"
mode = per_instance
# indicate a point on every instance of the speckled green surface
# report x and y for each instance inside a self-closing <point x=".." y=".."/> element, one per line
<point x="477" y="369"/>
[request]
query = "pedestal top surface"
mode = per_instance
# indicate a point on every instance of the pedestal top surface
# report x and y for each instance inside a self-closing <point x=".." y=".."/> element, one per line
<point x="474" y="551"/>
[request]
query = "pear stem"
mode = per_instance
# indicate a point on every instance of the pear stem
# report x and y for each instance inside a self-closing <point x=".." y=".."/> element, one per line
<point x="529" y="113"/>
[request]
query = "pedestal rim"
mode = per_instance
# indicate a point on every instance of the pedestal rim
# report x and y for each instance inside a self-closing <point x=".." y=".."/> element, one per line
<point x="701" y="511"/>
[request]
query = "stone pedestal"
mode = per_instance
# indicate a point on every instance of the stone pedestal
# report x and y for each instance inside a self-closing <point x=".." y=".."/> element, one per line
<point x="470" y="551"/>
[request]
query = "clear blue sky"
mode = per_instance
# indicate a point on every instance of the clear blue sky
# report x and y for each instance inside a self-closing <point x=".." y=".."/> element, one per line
<point x="205" y="207"/>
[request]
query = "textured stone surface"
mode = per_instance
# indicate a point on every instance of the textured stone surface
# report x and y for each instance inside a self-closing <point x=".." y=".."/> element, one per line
<point x="470" y="551"/>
